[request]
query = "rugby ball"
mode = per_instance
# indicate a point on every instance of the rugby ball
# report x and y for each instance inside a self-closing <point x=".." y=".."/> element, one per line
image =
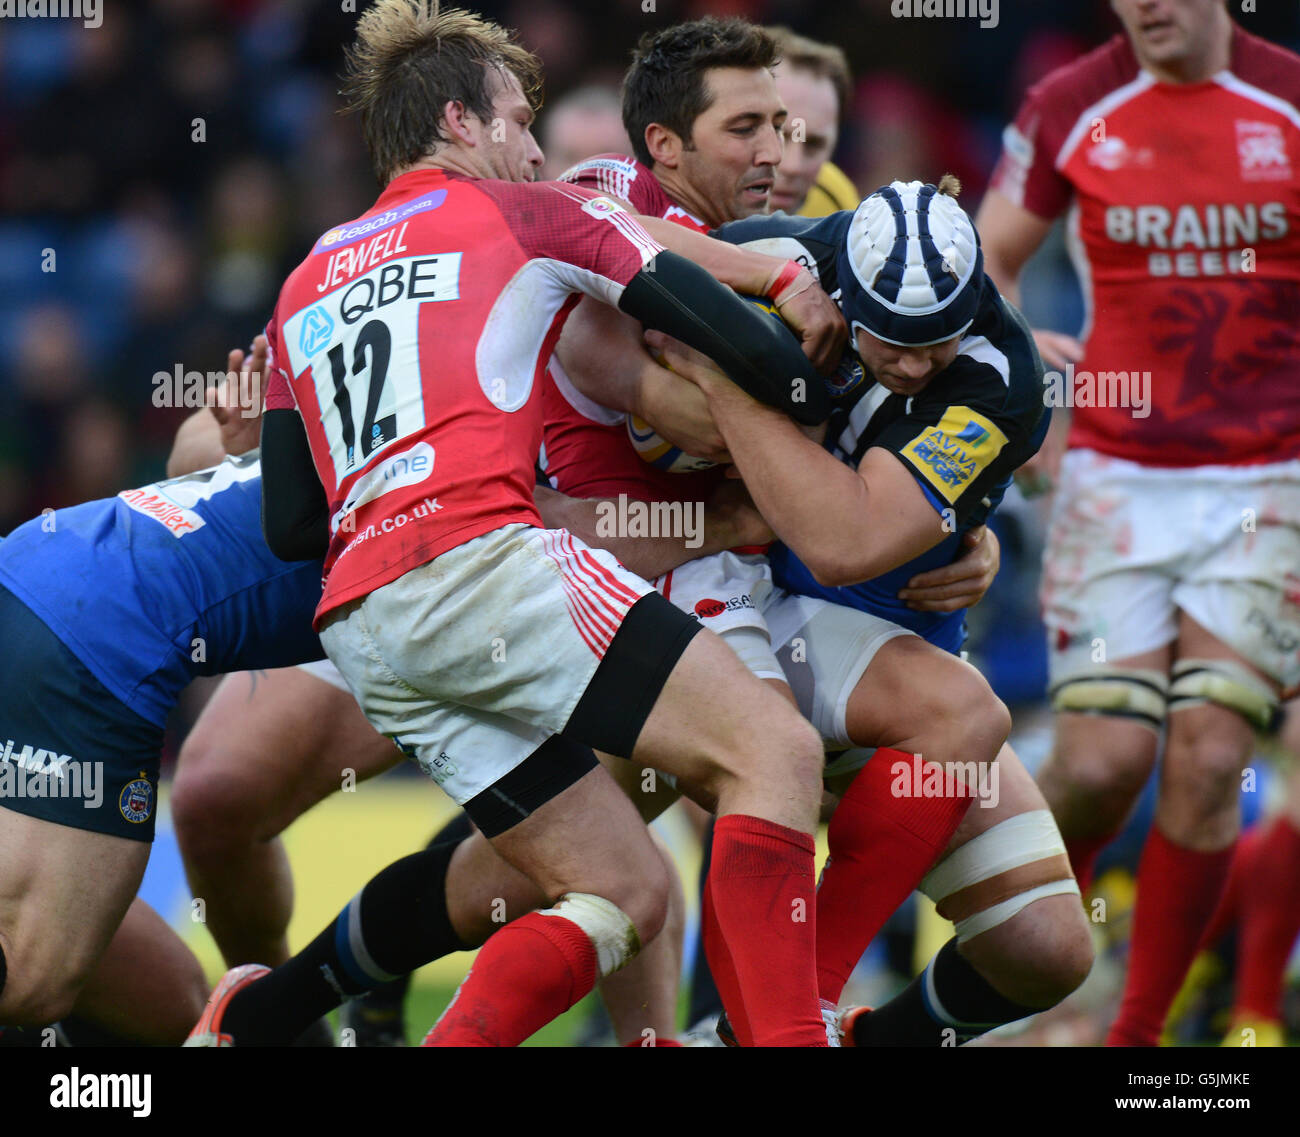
<point x="661" y="453"/>
<point x="656" y="449"/>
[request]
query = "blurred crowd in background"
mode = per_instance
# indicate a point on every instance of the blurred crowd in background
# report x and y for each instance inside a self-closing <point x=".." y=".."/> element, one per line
<point x="162" y="173"/>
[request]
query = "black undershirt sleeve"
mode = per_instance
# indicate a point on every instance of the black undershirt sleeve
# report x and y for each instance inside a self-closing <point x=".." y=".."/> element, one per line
<point x="295" y="512"/>
<point x="761" y="356"/>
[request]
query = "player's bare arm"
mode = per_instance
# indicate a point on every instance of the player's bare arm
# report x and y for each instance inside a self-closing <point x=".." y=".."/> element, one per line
<point x="603" y="354"/>
<point x="864" y="523"/>
<point x="729" y="520"/>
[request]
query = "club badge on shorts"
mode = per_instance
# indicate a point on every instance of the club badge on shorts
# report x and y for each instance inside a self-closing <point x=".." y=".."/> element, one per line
<point x="135" y="802"/>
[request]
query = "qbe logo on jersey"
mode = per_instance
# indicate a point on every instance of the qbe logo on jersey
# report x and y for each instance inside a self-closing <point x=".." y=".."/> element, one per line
<point x="361" y="342"/>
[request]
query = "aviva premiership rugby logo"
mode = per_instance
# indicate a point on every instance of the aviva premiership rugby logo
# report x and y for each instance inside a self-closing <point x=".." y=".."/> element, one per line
<point x="954" y="453"/>
<point x="135" y="802"/>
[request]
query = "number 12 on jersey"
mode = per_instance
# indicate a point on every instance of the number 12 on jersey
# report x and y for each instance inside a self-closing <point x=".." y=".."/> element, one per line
<point x="362" y="344"/>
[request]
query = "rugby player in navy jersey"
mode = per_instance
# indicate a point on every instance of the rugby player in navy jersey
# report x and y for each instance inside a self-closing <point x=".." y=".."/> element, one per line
<point x="943" y="401"/>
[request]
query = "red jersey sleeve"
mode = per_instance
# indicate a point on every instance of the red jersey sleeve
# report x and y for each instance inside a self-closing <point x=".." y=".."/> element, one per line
<point x="1056" y="113"/>
<point x="592" y="243"/>
<point x="623" y="177"/>
<point x="278" y="394"/>
<point x="1026" y="172"/>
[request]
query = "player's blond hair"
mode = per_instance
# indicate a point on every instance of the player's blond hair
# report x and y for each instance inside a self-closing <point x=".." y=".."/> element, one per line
<point x="949" y="184"/>
<point x="411" y="58"/>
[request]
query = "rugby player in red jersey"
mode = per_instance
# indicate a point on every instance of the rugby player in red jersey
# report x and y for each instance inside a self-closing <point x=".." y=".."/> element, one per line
<point x="1170" y="584"/>
<point x="492" y="650"/>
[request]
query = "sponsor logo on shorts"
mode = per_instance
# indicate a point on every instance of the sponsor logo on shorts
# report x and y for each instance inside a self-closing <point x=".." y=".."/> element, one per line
<point x="28" y="771"/>
<point x="951" y="455"/>
<point x="135" y="802"/>
<point x="706" y="609"/>
<point x="440" y="768"/>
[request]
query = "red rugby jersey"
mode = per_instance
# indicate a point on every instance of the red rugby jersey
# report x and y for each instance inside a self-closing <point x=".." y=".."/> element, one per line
<point x="412" y="341"/>
<point x="588" y="452"/>
<point x="1184" y="225"/>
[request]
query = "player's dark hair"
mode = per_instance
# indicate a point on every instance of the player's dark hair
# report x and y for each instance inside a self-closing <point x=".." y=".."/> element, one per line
<point x="410" y="59"/>
<point x="665" y="83"/>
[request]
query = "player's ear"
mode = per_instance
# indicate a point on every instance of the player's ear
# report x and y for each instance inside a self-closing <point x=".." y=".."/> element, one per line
<point x="456" y="123"/>
<point x="664" y="144"/>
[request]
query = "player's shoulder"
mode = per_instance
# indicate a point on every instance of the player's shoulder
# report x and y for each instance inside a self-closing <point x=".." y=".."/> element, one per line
<point x="1266" y="66"/>
<point x="997" y="363"/>
<point x="1057" y="101"/>
<point x="621" y="176"/>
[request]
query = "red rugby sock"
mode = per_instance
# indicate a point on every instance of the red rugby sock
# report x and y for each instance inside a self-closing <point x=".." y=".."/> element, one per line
<point x="1269" y="919"/>
<point x="1178" y="890"/>
<point x="1083" y="853"/>
<point x="764" y="906"/>
<point x="527" y="974"/>
<point x="722" y="968"/>
<point x="881" y="845"/>
<point x="1228" y="912"/>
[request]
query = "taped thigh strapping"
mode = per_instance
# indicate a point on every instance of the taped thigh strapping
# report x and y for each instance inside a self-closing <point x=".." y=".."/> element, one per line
<point x="1133" y="693"/>
<point x="1228" y="684"/>
<point x="999" y="873"/>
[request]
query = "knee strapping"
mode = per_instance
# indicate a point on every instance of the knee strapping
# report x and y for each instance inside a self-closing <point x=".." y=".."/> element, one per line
<point x="1001" y="872"/>
<point x="1228" y="684"/>
<point x="611" y="932"/>
<point x="1132" y="693"/>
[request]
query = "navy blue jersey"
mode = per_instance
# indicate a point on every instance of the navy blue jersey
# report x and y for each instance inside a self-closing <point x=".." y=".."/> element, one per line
<point x="961" y="438"/>
<point x="166" y="582"/>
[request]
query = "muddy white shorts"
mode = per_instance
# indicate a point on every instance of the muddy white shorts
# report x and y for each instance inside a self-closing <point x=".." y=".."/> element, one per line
<point x="471" y="662"/>
<point x="725" y="592"/>
<point x="1130" y="546"/>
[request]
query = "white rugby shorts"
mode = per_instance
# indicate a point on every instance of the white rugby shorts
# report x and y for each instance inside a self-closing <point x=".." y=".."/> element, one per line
<point x="1130" y="546"/>
<point x="471" y="661"/>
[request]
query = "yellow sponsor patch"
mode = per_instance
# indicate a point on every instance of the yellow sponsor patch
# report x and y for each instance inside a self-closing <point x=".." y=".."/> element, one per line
<point x="954" y="453"/>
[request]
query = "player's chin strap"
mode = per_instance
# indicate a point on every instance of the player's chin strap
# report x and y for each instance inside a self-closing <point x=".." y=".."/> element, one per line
<point x="612" y="934"/>
<point x="1228" y="684"/>
<point x="1123" y="692"/>
<point x="998" y="874"/>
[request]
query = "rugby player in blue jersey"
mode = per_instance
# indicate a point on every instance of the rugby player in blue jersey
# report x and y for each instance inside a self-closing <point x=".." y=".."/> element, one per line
<point x="108" y="610"/>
